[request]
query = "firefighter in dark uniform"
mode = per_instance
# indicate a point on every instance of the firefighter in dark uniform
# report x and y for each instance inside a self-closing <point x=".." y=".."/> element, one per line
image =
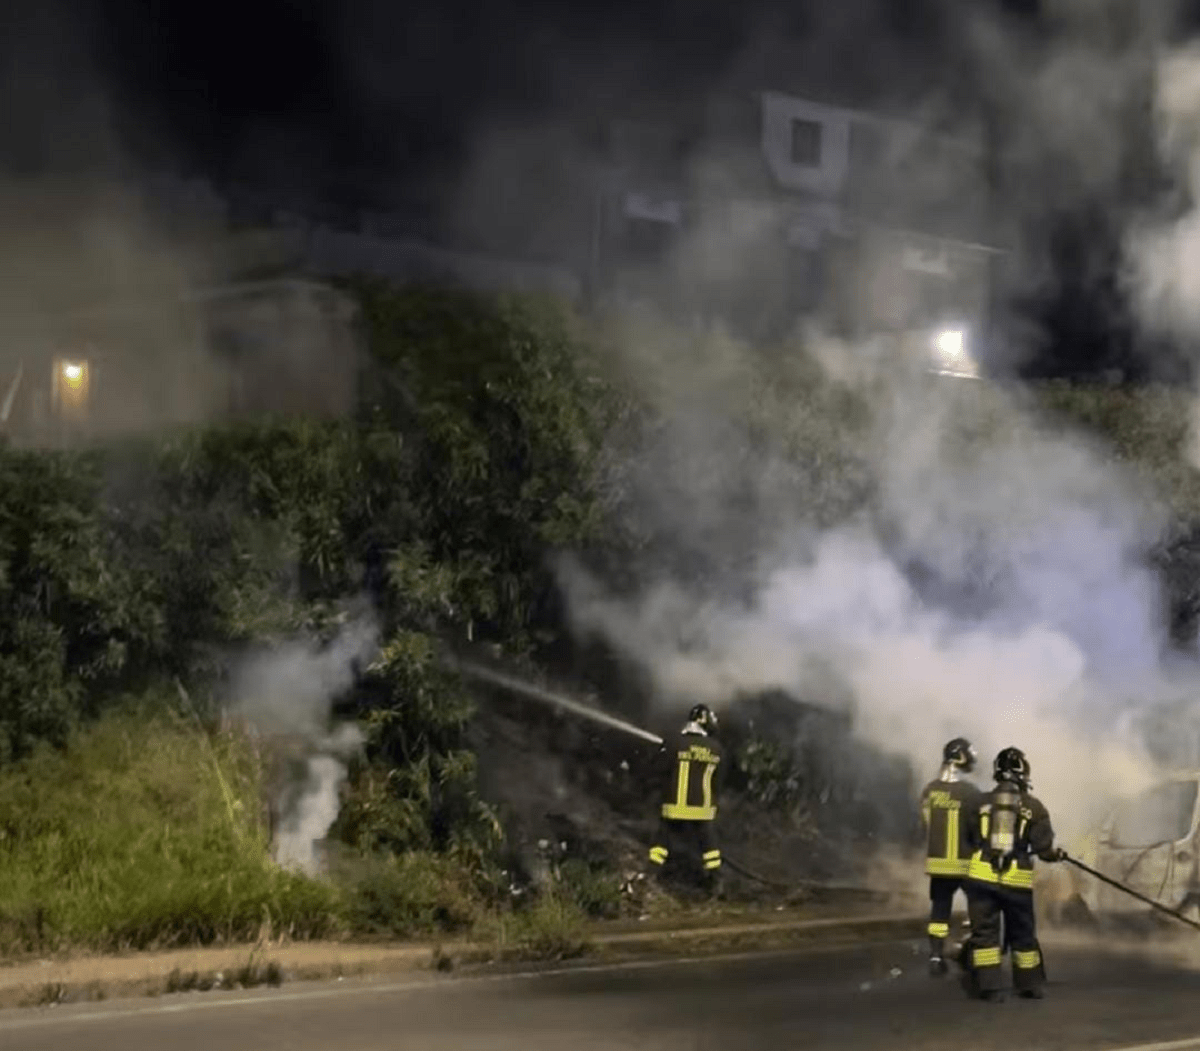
<point x="685" y="829"/>
<point x="1009" y="826"/>
<point x="944" y="802"/>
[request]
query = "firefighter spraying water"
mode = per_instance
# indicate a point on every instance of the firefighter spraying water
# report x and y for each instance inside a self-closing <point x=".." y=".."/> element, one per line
<point x="699" y="784"/>
<point x="685" y="831"/>
<point x="1006" y="829"/>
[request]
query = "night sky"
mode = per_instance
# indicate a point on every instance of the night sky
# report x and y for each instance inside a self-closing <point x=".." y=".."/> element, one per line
<point x="336" y="86"/>
<point x="270" y="84"/>
<point x="320" y="98"/>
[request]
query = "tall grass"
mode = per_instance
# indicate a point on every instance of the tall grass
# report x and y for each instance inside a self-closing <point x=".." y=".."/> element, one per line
<point x="148" y="832"/>
<point x="145" y="832"/>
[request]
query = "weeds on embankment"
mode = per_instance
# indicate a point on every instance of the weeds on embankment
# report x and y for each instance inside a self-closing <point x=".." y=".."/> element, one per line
<point x="147" y="832"/>
<point x="144" y="832"/>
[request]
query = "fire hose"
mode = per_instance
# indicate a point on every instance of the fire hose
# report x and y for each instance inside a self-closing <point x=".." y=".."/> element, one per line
<point x="1159" y="906"/>
<point x="794" y="885"/>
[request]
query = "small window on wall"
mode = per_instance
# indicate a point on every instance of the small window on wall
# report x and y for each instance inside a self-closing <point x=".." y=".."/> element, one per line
<point x="806" y="143"/>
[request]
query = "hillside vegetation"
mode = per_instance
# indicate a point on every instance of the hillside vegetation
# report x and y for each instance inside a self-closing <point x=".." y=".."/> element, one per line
<point x="492" y="432"/>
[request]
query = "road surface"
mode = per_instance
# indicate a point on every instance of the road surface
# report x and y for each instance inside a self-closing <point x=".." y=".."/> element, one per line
<point x="847" y="999"/>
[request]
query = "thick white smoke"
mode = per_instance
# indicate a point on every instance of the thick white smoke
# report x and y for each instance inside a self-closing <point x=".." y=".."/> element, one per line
<point x="998" y="591"/>
<point x="1163" y="248"/>
<point x="286" y="693"/>
<point x="994" y="581"/>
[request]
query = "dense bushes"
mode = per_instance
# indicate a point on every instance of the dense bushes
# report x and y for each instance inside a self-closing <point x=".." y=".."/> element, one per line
<point x="484" y="442"/>
<point x="471" y="456"/>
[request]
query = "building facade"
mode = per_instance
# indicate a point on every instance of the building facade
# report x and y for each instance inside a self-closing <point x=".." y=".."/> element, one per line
<point x="773" y="208"/>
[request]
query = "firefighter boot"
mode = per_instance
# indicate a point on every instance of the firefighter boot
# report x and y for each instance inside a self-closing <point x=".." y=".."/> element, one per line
<point x="937" y="959"/>
<point x="963" y="956"/>
<point x="937" y="949"/>
<point x="713" y="885"/>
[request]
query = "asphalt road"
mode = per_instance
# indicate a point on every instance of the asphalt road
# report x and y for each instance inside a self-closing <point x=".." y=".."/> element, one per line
<point x="848" y="999"/>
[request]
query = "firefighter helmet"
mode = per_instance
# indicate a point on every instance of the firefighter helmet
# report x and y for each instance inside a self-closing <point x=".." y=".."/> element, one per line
<point x="1012" y="766"/>
<point x="960" y="753"/>
<point x="703" y="716"/>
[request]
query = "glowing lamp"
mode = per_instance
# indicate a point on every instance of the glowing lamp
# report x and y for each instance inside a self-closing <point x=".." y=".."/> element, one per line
<point x="951" y="355"/>
<point x="950" y="344"/>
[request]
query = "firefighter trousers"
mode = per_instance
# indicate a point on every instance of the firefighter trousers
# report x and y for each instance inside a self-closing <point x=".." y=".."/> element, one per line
<point x="991" y="906"/>
<point x="687" y="847"/>
<point x="941" y="904"/>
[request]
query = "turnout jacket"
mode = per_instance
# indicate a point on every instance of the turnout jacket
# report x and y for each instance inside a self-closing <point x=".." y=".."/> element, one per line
<point x="945" y="804"/>
<point x="1008" y="828"/>
<point x="693" y="761"/>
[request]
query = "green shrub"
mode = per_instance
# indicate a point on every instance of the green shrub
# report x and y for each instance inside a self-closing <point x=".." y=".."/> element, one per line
<point x="409" y="894"/>
<point x="551" y="927"/>
<point x="144" y="832"/>
<point x="594" y="890"/>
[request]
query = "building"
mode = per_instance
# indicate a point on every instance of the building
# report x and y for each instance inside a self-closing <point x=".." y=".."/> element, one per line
<point x="769" y="207"/>
<point x="760" y="209"/>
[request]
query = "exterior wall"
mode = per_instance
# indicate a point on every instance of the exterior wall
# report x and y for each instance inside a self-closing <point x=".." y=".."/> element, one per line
<point x="280" y="347"/>
<point x="328" y="252"/>
<point x="825" y="174"/>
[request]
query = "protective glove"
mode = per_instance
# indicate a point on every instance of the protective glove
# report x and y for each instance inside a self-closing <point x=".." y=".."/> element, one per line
<point x="1057" y="854"/>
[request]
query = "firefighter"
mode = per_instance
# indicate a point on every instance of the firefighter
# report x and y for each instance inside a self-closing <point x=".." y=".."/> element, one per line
<point x="1009" y="826"/>
<point x="685" y="829"/>
<point x="944" y="803"/>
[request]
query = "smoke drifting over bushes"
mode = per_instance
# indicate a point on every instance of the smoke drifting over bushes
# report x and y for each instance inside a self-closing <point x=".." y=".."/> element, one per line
<point x="991" y="579"/>
<point x="1163" y="246"/>
<point x="997" y="591"/>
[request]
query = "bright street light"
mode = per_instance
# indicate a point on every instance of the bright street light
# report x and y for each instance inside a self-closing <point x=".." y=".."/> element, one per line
<point x="951" y="355"/>
<point x="950" y="344"/>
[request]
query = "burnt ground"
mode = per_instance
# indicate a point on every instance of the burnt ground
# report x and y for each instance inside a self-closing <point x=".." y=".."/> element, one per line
<point x="568" y="788"/>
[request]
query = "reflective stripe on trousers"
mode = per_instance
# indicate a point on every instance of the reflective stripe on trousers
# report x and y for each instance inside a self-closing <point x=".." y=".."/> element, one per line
<point x="1027" y="961"/>
<point x="985" y="957"/>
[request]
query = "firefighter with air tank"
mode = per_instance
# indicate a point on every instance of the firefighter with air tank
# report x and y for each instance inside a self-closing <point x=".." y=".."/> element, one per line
<point x="685" y="830"/>
<point x="1007" y="827"/>
<point x="944" y="802"/>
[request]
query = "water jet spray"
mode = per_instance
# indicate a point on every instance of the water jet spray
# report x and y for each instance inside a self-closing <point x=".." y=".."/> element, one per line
<point x="554" y="697"/>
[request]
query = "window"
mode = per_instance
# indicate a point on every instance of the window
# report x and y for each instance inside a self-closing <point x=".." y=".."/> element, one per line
<point x="806" y="143"/>
<point x="1161" y="815"/>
